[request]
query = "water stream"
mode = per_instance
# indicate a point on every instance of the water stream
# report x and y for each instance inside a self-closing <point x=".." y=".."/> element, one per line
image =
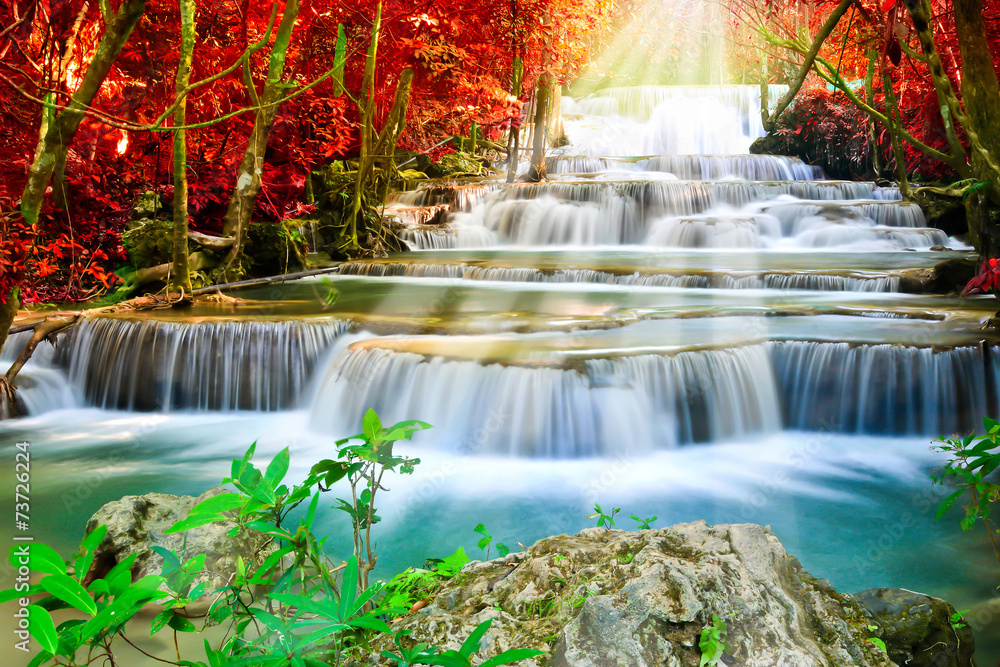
<point x="669" y="325"/>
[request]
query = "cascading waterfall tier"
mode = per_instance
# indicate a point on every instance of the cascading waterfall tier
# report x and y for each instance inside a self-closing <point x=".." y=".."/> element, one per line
<point x="661" y="120"/>
<point x="694" y="167"/>
<point x="41" y="385"/>
<point x="734" y="214"/>
<point x="210" y="365"/>
<point x="719" y="280"/>
<point x="884" y="389"/>
<point x="646" y="401"/>
<point x="608" y="407"/>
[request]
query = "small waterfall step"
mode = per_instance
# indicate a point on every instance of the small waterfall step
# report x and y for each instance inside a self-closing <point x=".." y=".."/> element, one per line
<point x="692" y="167"/>
<point x="150" y="365"/>
<point x="632" y="404"/>
<point x="784" y="280"/>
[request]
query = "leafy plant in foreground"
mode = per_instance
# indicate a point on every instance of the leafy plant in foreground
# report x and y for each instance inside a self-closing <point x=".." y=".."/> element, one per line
<point x="713" y="642"/>
<point x="971" y="461"/>
<point x="643" y="523"/>
<point x="484" y="543"/>
<point x="315" y="613"/>
<point x="604" y="520"/>
<point x="416" y="584"/>
<point x="364" y="465"/>
<point x="421" y="654"/>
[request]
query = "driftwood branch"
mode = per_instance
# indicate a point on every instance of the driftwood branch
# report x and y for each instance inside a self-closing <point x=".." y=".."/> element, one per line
<point x="49" y="326"/>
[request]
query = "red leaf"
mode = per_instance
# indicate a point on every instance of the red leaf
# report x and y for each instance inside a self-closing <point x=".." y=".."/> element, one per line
<point x="887" y="5"/>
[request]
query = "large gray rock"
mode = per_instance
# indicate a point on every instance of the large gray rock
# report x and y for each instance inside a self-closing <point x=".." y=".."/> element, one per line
<point x="917" y="629"/>
<point x="137" y="523"/>
<point x="642" y="599"/>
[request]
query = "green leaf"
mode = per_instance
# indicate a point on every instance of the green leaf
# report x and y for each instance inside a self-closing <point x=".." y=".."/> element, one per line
<point x="471" y="644"/>
<point x="481" y="529"/>
<point x="371" y="426"/>
<point x="42" y="628"/>
<point x="348" y="587"/>
<point x="502" y="549"/>
<point x="239" y="465"/>
<point x="277" y="468"/>
<point x="223" y="502"/>
<point x="160" y="621"/>
<point x="41" y="558"/>
<point x="13" y="594"/>
<point x="69" y="590"/>
<point x="947" y="503"/>
<point x="339" y="61"/>
<point x="181" y="624"/>
<point x="89" y="545"/>
<point x="512" y="656"/>
<point x="370" y="623"/>
<point x="193" y="522"/>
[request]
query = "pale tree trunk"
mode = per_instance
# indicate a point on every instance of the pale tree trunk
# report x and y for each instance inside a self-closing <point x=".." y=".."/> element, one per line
<point x="514" y="135"/>
<point x="872" y="127"/>
<point x="61" y="130"/>
<point x="543" y="97"/>
<point x="8" y="311"/>
<point x="250" y="171"/>
<point x="181" y="276"/>
<point x="892" y="113"/>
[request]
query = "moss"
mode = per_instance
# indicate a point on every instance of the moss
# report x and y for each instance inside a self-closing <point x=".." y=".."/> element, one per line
<point x="271" y="249"/>
<point x="455" y="164"/>
<point x="148" y="242"/>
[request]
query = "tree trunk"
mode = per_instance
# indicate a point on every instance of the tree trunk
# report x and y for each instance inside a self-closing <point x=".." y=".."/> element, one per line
<point x="514" y="135"/>
<point x="181" y="277"/>
<point x="810" y="57"/>
<point x="543" y="96"/>
<point x="877" y="165"/>
<point x="8" y="311"/>
<point x="248" y="175"/>
<point x="892" y="112"/>
<point x="980" y="88"/>
<point x="60" y="132"/>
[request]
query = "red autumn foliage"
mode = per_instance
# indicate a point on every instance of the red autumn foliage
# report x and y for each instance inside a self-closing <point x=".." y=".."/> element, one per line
<point x="986" y="281"/>
<point x="461" y="54"/>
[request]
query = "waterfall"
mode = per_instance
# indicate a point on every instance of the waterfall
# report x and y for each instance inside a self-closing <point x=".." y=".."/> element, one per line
<point x="882" y="389"/>
<point x="41" y="385"/>
<point x="210" y="365"/>
<point x="657" y="401"/>
<point x="660" y="120"/>
<point x="731" y="280"/>
<point x="640" y="403"/>
<point x="598" y="212"/>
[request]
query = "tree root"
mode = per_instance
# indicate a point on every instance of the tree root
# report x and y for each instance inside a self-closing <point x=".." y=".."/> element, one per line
<point x="8" y="401"/>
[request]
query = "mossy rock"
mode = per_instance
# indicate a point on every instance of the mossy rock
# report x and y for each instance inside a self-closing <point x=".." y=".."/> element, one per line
<point x="147" y="205"/>
<point x="149" y="242"/>
<point x="952" y="275"/>
<point x="272" y="249"/>
<point x="918" y="630"/>
<point x="455" y="164"/>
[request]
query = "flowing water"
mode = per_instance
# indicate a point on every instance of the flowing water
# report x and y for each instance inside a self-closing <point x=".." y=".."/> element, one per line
<point x="669" y="325"/>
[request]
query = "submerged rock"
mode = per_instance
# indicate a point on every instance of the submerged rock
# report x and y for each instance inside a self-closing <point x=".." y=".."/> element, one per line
<point x="917" y="629"/>
<point x="137" y="523"/>
<point x="608" y="597"/>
